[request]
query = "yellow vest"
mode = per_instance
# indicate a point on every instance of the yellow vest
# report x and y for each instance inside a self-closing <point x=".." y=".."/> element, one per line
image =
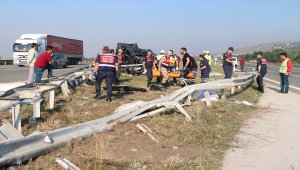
<point x="172" y="61"/>
<point x="208" y="58"/>
<point x="283" y="67"/>
<point x="34" y="58"/>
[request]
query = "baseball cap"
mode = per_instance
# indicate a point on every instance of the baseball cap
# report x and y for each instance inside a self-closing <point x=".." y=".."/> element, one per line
<point x="231" y="48"/>
<point x="162" y="51"/>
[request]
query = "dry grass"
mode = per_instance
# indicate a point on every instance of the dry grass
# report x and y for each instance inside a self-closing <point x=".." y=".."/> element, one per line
<point x="199" y="144"/>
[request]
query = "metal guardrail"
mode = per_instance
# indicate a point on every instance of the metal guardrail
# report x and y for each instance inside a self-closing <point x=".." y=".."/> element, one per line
<point x="33" y="94"/>
<point x="16" y="151"/>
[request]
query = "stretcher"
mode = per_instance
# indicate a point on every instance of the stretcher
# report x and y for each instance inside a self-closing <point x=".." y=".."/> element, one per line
<point x="157" y="73"/>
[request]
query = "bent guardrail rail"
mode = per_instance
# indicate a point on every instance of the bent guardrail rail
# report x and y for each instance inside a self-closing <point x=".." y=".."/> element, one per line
<point x="16" y="151"/>
<point x="32" y="94"/>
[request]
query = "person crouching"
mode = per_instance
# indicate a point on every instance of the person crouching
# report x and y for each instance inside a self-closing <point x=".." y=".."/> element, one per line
<point x="204" y="68"/>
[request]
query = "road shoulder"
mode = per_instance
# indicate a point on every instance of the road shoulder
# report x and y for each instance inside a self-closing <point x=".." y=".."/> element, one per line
<point x="272" y="139"/>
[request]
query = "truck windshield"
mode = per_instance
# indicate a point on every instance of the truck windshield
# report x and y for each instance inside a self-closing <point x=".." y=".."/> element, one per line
<point x="21" y="47"/>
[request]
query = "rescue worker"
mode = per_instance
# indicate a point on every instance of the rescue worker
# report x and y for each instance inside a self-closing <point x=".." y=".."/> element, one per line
<point x="157" y="59"/>
<point x="207" y="56"/>
<point x="120" y="61"/>
<point x="204" y="68"/>
<point x="115" y="80"/>
<point x="261" y="71"/>
<point x="228" y="63"/>
<point x="106" y="65"/>
<point x="163" y="67"/>
<point x="173" y="65"/>
<point x="31" y="58"/>
<point x="148" y="65"/>
<point x="285" y="70"/>
<point x="187" y="66"/>
<point x="194" y="69"/>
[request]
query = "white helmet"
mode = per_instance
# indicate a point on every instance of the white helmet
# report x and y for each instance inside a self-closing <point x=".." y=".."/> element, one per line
<point x="162" y="51"/>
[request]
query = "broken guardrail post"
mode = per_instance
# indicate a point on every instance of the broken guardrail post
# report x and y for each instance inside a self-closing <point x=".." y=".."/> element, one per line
<point x="207" y="99"/>
<point x="51" y="99"/>
<point x="37" y="108"/>
<point x="232" y="90"/>
<point x="16" y="117"/>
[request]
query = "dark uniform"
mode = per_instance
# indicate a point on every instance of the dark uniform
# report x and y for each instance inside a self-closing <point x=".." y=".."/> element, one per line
<point x="106" y="71"/>
<point x="263" y="71"/>
<point x="149" y="64"/>
<point x="227" y="66"/>
<point x="205" y="72"/>
<point x="194" y="67"/>
<point x="188" y="68"/>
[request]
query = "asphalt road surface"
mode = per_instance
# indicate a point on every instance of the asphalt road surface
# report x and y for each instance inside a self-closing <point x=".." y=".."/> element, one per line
<point x="273" y="77"/>
<point x="11" y="73"/>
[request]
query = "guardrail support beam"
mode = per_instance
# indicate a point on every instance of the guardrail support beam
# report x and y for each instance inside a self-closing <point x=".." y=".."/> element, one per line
<point x="37" y="109"/>
<point x="232" y="90"/>
<point x="51" y="99"/>
<point x="16" y="117"/>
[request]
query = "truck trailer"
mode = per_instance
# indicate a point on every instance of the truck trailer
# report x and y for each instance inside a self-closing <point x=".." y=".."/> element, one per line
<point x="71" y="48"/>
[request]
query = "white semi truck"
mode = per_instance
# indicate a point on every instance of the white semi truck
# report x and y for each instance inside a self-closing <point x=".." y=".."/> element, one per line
<point x="71" y="48"/>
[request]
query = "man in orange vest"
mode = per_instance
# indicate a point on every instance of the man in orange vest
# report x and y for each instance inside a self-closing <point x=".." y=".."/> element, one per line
<point x="285" y="69"/>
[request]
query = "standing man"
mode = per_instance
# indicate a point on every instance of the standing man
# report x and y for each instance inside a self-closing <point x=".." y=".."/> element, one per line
<point x="285" y="70"/>
<point x="187" y="66"/>
<point x="105" y="67"/>
<point x="148" y="64"/>
<point x="163" y="67"/>
<point x="120" y="61"/>
<point x="261" y="71"/>
<point x="227" y="63"/>
<point x="157" y="60"/>
<point x="242" y="64"/>
<point x="41" y="63"/>
<point x="194" y="67"/>
<point x="31" y="58"/>
<point x="173" y="65"/>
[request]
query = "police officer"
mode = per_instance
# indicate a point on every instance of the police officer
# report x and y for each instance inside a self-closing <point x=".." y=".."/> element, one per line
<point x="148" y="64"/>
<point x="228" y="63"/>
<point x="261" y="71"/>
<point x="105" y="68"/>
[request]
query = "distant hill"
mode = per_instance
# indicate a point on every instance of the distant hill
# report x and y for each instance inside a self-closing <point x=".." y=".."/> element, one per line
<point x="268" y="47"/>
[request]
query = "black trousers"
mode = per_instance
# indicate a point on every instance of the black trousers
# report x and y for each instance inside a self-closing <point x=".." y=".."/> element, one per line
<point x="260" y="81"/>
<point x="227" y="71"/>
<point x="149" y="75"/>
<point x="109" y="77"/>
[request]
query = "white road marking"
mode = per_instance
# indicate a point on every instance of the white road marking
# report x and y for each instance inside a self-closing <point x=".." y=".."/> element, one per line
<point x="294" y="75"/>
<point x="293" y="87"/>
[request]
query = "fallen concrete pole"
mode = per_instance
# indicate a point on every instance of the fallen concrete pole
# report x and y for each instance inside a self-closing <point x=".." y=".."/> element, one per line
<point x="16" y="151"/>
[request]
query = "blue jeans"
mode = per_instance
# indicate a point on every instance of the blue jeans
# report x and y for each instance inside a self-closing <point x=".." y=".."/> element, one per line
<point x="38" y="74"/>
<point x="284" y="83"/>
<point x="49" y="67"/>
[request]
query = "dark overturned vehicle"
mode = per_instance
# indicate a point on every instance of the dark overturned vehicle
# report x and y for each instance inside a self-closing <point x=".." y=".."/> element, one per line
<point x="133" y="57"/>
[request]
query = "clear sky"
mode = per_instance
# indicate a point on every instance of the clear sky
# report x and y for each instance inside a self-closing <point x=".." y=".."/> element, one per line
<point x="198" y="25"/>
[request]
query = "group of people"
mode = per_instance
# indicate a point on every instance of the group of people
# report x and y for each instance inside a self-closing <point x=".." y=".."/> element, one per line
<point x="170" y="62"/>
<point x="37" y="64"/>
<point x="261" y="68"/>
<point x="108" y="66"/>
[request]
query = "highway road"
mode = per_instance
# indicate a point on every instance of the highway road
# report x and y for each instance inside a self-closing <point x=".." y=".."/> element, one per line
<point x="11" y="73"/>
<point x="273" y="77"/>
